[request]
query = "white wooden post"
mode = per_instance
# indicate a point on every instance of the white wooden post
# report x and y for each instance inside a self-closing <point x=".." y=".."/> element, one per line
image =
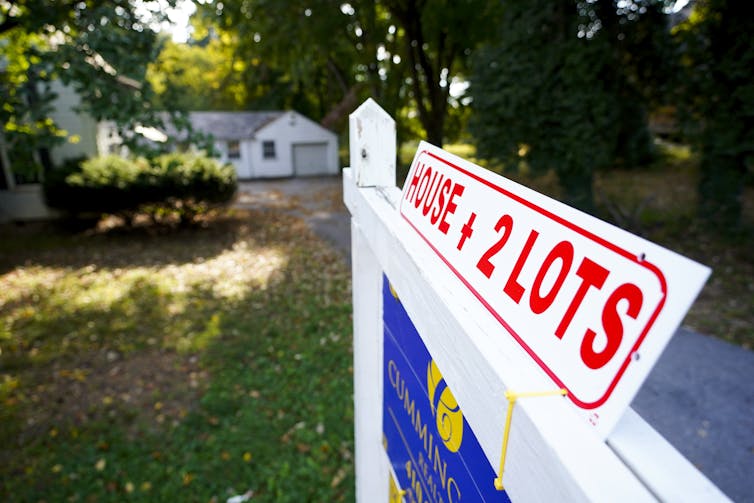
<point x="552" y="454"/>
<point x="372" y="146"/>
<point x="372" y="151"/>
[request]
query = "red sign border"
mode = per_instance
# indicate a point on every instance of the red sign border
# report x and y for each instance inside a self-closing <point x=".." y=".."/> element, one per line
<point x="548" y="214"/>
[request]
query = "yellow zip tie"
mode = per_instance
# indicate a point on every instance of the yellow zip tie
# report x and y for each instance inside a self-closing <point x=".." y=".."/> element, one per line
<point x="512" y="396"/>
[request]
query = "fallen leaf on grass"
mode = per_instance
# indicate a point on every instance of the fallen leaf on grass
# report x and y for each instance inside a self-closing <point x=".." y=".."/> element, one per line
<point x="338" y="478"/>
<point x="240" y="498"/>
<point x="74" y="375"/>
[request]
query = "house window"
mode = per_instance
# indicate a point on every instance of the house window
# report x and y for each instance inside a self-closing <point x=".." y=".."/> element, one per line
<point x="234" y="149"/>
<point x="4" y="174"/>
<point x="268" y="149"/>
<point x="24" y="167"/>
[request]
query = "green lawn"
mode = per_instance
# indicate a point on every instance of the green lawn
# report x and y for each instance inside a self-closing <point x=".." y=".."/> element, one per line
<point x="175" y="365"/>
<point x="158" y="364"/>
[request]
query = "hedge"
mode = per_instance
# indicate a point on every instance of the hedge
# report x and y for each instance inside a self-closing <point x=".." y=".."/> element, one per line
<point x="184" y="184"/>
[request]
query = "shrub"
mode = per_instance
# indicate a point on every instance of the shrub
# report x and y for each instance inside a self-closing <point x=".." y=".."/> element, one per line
<point x="195" y="177"/>
<point x="181" y="185"/>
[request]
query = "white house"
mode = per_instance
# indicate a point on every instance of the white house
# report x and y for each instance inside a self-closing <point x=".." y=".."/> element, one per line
<point x="21" y="199"/>
<point x="270" y="144"/>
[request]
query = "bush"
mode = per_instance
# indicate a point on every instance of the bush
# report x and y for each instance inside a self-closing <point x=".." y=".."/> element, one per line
<point x="181" y="185"/>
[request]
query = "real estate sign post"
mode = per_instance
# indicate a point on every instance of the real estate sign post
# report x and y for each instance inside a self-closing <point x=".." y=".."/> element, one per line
<point x="473" y="293"/>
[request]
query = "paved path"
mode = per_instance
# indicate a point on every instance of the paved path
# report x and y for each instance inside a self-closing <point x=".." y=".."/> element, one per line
<point x="700" y="395"/>
<point x="318" y="200"/>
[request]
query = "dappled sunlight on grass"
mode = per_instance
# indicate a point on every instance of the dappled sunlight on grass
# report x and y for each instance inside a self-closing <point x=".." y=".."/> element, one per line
<point x="43" y="307"/>
<point x="674" y="152"/>
<point x="24" y="281"/>
<point x="232" y="273"/>
<point x="156" y="364"/>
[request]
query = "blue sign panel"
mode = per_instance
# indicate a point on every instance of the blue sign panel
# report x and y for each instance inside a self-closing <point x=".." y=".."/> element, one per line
<point x="434" y="454"/>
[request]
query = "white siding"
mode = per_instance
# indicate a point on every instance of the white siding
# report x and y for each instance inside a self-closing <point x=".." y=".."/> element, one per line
<point x="286" y="131"/>
<point x="25" y="202"/>
<point x="243" y="165"/>
<point x="82" y="125"/>
<point x="309" y="158"/>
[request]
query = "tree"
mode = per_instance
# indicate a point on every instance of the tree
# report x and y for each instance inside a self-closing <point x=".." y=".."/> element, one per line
<point x="717" y="103"/>
<point x="328" y="55"/>
<point x="26" y="108"/>
<point x="198" y="76"/>
<point x="439" y="37"/>
<point x="560" y="89"/>
<point x="100" y="48"/>
<point x="311" y="55"/>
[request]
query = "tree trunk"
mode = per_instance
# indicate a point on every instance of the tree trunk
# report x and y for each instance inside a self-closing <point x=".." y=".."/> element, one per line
<point x="431" y="99"/>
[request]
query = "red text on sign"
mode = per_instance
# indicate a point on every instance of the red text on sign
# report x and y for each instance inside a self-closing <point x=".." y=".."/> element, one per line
<point x="435" y="194"/>
<point x="591" y="276"/>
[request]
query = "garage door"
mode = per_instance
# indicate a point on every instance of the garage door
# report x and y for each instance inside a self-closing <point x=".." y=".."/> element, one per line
<point x="309" y="159"/>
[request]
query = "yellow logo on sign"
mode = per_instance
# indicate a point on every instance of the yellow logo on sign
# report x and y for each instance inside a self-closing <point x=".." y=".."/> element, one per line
<point x="448" y="416"/>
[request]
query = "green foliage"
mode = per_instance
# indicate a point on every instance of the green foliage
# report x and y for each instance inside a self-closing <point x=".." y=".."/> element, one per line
<point x="199" y="77"/>
<point x="716" y="92"/>
<point x="438" y="38"/>
<point x="26" y="100"/>
<point x="107" y="65"/>
<point x="117" y="185"/>
<point x="100" y="49"/>
<point x="264" y="42"/>
<point x="186" y="176"/>
<point x="404" y="54"/>
<point x="557" y="91"/>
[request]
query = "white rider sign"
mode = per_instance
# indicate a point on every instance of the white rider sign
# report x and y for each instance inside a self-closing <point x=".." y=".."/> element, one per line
<point x="591" y="304"/>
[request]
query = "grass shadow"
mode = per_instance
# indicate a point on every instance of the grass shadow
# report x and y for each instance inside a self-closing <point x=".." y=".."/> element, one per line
<point x="52" y="243"/>
<point x="171" y="386"/>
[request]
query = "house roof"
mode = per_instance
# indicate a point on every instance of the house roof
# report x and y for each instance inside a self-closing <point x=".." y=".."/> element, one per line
<point x="232" y="125"/>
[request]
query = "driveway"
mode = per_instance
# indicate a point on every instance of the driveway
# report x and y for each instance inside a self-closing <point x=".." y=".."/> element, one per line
<point x="699" y="396"/>
<point x="318" y="200"/>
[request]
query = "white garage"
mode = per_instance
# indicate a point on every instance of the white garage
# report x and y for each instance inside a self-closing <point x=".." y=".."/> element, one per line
<point x="270" y="144"/>
<point x="309" y="158"/>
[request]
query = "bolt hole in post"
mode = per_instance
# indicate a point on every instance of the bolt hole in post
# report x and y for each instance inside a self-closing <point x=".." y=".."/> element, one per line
<point x="363" y="153"/>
